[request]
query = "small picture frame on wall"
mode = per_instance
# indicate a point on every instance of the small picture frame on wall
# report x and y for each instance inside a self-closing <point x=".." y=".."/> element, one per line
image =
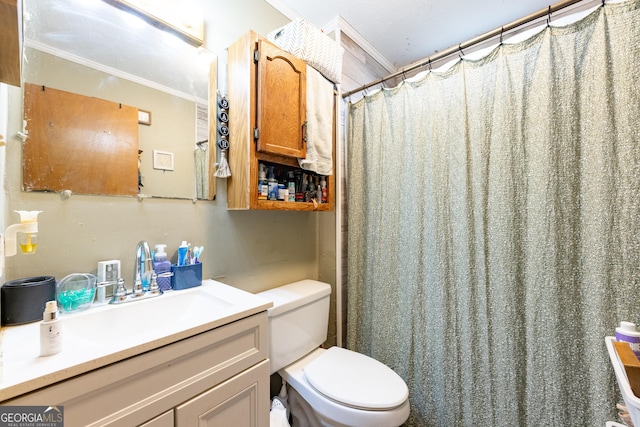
<point x="144" y="117"/>
<point x="162" y="160"/>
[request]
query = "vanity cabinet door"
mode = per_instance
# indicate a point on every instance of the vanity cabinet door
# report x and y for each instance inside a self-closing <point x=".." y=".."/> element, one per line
<point x="280" y="102"/>
<point x="242" y="401"/>
<point x="164" y="420"/>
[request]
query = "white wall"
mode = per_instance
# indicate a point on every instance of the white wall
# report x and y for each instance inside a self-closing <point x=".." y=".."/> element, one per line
<point x="4" y="116"/>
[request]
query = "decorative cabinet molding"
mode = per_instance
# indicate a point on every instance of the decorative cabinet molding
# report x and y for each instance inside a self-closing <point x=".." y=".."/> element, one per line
<point x="281" y="104"/>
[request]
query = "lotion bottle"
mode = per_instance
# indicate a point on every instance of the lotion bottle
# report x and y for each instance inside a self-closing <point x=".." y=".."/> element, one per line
<point x="50" y="332"/>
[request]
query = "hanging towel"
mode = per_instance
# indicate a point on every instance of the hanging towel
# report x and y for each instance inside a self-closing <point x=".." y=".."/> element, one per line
<point x="201" y="155"/>
<point x="319" y="158"/>
<point x="304" y="40"/>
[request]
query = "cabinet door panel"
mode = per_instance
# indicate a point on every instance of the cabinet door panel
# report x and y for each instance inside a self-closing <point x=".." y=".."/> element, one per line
<point x="164" y="420"/>
<point x="281" y="102"/>
<point x="242" y="401"/>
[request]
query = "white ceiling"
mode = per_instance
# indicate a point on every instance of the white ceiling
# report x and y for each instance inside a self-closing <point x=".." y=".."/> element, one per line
<point x="406" y="31"/>
<point x="402" y="32"/>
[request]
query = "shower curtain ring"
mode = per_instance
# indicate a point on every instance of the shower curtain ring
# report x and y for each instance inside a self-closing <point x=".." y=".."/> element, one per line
<point x="549" y="17"/>
<point x="461" y="54"/>
<point x="501" y="35"/>
<point x="430" y="69"/>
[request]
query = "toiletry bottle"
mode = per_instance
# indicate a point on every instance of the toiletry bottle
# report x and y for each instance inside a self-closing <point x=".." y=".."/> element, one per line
<point x="143" y="273"/>
<point x="323" y="185"/>
<point x="627" y="332"/>
<point x="318" y="191"/>
<point x="291" y="184"/>
<point x="182" y="253"/>
<point x="299" y="193"/>
<point x="50" y="333"/>
<point x="161" y="264"/>
<point x="273" y="185"/>
<point x="311" y="190"/>
<point x="263" y="185"/>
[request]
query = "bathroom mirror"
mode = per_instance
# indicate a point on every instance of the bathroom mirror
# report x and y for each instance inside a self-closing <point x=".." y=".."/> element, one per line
<point x="93" y="49"/>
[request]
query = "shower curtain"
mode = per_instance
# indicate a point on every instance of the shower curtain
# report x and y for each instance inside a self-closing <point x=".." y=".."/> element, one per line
<point x="494" y="227"/>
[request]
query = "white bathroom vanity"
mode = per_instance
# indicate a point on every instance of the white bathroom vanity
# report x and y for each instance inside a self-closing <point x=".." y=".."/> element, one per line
<point x="190" y="357"/>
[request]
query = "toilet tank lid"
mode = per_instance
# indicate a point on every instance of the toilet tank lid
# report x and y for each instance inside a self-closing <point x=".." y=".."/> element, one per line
<point x="294" y="295"/>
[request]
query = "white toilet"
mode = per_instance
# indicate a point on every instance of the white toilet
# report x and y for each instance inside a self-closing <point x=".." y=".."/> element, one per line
<point x="334" y="387"/>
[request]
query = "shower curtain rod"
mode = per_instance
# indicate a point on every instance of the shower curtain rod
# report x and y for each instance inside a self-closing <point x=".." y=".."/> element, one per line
<point x="477" y="40"/>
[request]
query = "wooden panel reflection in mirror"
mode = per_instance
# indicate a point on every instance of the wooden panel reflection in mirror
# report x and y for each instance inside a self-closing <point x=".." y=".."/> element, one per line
<point x="10" y="42"/>
<point x="88" y="147"/>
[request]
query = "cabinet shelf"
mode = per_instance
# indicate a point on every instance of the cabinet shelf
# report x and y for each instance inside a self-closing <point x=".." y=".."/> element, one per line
<point x="292" y="206"/>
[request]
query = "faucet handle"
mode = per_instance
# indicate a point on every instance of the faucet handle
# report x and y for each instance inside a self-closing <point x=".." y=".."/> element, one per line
<point x="120" y="292"/>
<point x="137" y="288"/>
<point x="153" y="286"/>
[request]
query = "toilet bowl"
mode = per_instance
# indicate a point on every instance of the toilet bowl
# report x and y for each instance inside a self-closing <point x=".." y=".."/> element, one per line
<point x="333" y="387"/>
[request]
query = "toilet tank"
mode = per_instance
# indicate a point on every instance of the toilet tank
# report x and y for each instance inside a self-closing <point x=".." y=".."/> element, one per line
<point x="298" y="320"/>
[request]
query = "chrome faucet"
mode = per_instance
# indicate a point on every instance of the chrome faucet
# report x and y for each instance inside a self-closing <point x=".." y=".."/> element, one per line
<point x="143" y="268"/>
<point x="145" y="283"/>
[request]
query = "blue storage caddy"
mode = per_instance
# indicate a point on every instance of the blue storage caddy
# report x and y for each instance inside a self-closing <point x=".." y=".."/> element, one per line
<point x="186" y="276"/>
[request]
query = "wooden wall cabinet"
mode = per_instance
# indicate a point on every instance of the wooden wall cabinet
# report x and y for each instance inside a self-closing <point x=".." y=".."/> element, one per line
<point x="267" y="121"/>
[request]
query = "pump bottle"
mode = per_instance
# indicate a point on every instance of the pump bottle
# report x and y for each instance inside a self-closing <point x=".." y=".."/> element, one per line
<point x="50" y="332"/>
<point x="162" y="265"/>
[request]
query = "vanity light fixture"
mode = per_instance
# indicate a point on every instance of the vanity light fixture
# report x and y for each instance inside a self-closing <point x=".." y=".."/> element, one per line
<point x="24" y="234"/>
<point x="184" y="19"/>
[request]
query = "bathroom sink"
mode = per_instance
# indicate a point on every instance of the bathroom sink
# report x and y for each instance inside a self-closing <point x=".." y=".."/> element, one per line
<point x="145" y="319"/>
<point x="109" y="333"/>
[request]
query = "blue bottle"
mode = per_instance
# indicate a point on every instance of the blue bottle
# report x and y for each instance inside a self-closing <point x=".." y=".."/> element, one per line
<point x="182" y="253"/>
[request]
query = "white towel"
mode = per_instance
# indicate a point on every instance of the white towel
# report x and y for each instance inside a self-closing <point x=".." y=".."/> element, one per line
<point x="319" y="158"/>
<point x="302" y="39"/>
<point x="278" y="416"/>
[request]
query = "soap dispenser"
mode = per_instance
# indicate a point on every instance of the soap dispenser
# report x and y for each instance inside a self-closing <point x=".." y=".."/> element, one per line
<point x="50" y="333"/>
<point x="161" y="264"/>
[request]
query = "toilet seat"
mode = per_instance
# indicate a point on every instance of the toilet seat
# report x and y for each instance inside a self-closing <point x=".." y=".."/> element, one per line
<point x="356" y="380"/>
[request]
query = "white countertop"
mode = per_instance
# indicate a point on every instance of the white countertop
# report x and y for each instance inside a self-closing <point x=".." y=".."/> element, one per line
<point x="106" y="334"/>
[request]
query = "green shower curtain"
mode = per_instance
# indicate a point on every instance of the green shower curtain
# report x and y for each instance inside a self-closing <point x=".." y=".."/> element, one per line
<point x="494" y="227"/>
